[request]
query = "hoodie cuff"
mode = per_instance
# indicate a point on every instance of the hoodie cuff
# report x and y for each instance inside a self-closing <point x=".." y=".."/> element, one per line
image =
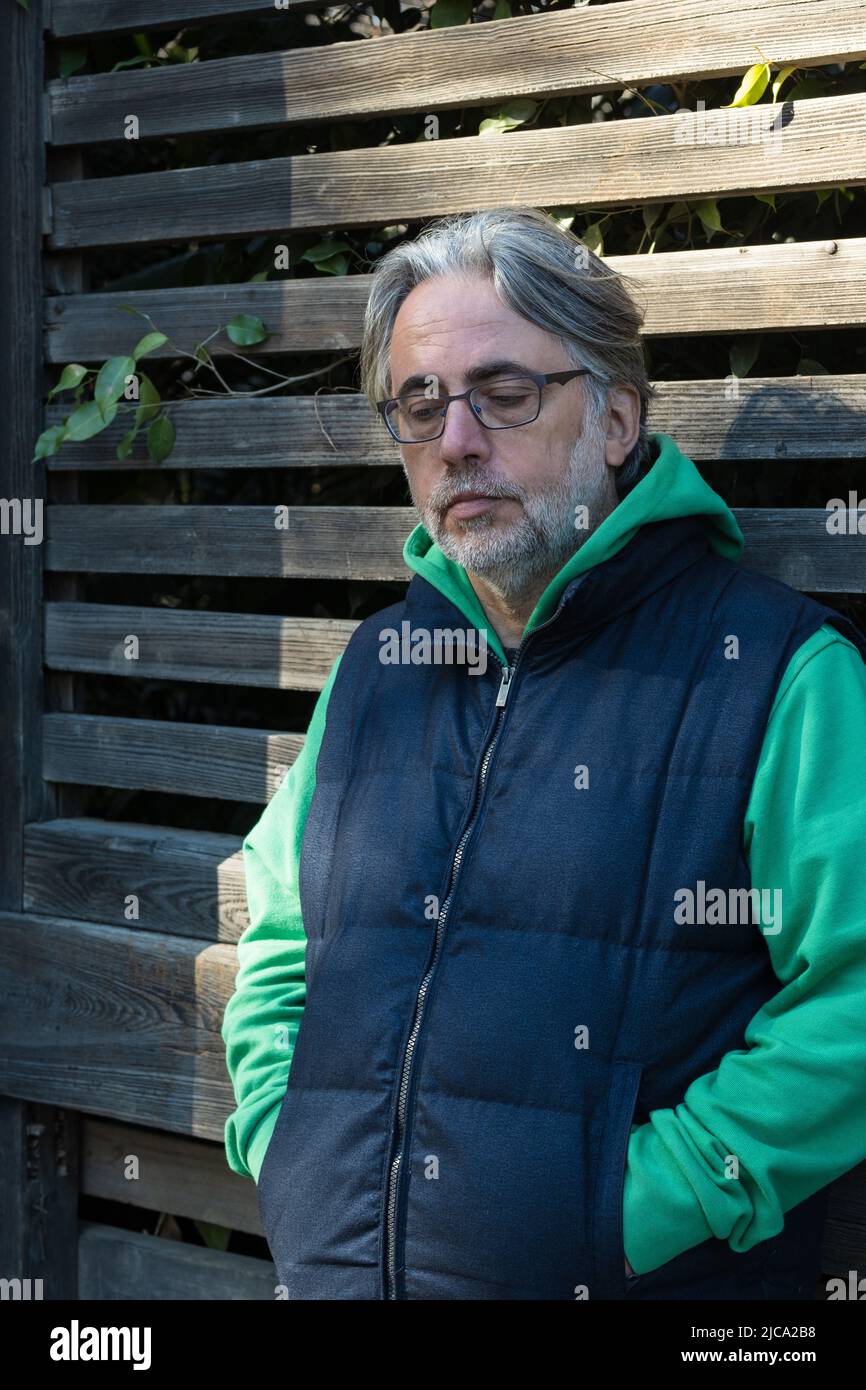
<point x="661" y="1214"/>
<point x="260" y="1140"/>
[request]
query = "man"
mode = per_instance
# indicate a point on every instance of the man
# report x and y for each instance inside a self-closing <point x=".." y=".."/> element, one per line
<point x="566" y="953"/>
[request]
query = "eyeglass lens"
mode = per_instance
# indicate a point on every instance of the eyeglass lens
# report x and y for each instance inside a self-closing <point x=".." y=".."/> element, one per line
<point x="498" y="404"/>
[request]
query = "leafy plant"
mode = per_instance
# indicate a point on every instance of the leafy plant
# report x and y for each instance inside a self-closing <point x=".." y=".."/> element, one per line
<point x="120" y="377"/>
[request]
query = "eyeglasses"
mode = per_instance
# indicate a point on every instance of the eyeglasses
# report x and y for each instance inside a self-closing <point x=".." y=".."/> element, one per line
<point x="500" y="404"/>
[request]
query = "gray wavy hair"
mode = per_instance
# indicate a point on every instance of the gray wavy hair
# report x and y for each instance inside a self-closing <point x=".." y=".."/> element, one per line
<point x="543" y="272"/>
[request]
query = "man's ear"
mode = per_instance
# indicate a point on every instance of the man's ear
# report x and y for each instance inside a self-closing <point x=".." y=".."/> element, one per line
<point x="621" y="424"/>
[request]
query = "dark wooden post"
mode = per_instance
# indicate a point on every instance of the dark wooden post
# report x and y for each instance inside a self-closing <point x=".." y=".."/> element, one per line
<point x="38" y="1144"/>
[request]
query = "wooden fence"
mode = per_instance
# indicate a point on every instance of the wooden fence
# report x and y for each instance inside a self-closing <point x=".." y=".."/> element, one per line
<point x="110" y="1033"/>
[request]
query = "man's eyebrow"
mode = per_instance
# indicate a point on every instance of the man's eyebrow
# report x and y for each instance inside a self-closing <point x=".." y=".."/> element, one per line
<point x="481" y="372"/>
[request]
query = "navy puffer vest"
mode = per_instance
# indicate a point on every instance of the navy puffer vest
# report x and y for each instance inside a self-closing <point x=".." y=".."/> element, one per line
<point x="470" y="911"/>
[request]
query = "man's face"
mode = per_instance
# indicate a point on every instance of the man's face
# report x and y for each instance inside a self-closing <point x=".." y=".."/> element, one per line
<point x="534" y="476"/>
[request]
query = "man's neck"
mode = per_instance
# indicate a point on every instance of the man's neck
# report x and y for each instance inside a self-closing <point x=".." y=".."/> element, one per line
<point x="508" y="615"/>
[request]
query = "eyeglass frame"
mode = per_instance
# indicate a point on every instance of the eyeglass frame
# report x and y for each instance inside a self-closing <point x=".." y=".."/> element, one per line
<point x="540" y="378"/>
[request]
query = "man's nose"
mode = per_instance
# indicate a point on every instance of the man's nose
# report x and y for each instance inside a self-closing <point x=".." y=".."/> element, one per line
<point x="463" y="432"/>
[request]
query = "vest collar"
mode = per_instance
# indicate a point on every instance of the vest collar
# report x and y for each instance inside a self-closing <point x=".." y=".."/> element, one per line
<point x="655" y="555"/>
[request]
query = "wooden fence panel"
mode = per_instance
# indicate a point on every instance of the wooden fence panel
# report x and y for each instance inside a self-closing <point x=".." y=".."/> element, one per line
<point x="186" y="759"/>
<point x="187" y="1177"/>
<point x="779" y="147"/>
<point x="184" y="882"/>
<point x="747" y="289"/>
<point x="793" y="544"/>
<point x="595" y="49"/>
<point x="116" y="1264"/>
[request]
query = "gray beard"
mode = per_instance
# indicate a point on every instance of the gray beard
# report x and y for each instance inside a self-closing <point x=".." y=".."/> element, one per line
<point x="513" y="559"/>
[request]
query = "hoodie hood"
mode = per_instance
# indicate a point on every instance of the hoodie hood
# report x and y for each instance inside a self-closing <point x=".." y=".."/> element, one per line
<point x="672" y="487"/>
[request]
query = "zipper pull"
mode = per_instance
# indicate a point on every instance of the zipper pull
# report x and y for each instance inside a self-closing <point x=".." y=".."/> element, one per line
<point x="504" y="686"/>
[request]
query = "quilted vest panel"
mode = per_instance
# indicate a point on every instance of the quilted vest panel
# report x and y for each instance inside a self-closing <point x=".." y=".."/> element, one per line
<point x="498" y="988"/>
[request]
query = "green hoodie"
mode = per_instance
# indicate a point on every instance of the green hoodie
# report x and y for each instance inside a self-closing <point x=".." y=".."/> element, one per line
<point x="791" y="1105"/>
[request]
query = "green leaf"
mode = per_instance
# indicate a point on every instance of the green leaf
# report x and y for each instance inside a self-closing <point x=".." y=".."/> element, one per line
<point x="743" y="354"/>
<point x="129" y="63"/>
<point x="160" y="439"/>
<point x="807" y="366"/>
<point x="143" y="44"/>
<point x="124" y="447"/>
<point x="71" y="377"/>
<point x="651" y="213"/>
<point x="149" y="400"/>
<point x="809" y="87"/>
<point x="752" y="87"/>
<point x="781" y="78"/>
<point x="89" y="420"/>
<point x="49" y="442"/>
<point x="502" y="10"/>
<point x="822" y="194"/>
<point x="768" y="198"/>
<point x="324" y="250"/>
<point x="215" y="1237"/>
<point x="446" y="13"/>
<point x="71" y="59"/>
<point x="514" y="114"/>
<point x="149" y="343"/>
<point x="246" y="329"/>
<point x="258" y="277"/>
<point x="334" y="265"/>
<point x="593" y="239"/>
<point x="708" y="212"/>
<point x="111" y="380"/>
<point x="25" y="4"/>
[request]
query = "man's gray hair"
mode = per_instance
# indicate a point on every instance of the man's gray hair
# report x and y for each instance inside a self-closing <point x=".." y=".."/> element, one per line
<point x="544" y="273"/>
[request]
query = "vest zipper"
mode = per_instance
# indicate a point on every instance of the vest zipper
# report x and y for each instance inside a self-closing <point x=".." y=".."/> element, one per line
<point x="406" y="1070"/>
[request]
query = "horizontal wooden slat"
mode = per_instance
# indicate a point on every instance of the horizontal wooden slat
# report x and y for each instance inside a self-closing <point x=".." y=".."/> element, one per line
<point x="809" y="284"/>
<point x="116" y="1022"/>
<point x="131" y="1266"/>
<point x="803" y="145"/>
<point x="84" y="17"/>
<point x="767" y="417"/>
<point x="187" y="1177"/>
<point x="185" y="644"/>
<point x="319" y="542"/>
<point x="188" y="882"/>
<point x="594" y="49"/>
<point x="845" y="1231"/>
<point x="158" y="755"/>
<point x="367" y="543"/>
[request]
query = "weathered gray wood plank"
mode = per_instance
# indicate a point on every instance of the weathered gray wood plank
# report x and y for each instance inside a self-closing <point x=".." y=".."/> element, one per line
<point x="187" y="1177"/>
<point x="184" y="882"/>
<point x="596" y="49"/>
<point x="753" y="418"/>
<point x="845" y="1231"/>
<point x="775" y="147"/>
<point x="129" y="1026"/>
<point x="324" y="542"/>
<point x="157" y="755"/>
<point x="809" y="284"/>
<point x="367" y="543"/>
<point x="185" y="644"/>
<point x="134" y="1266"/>
<point x="83" y="17"/>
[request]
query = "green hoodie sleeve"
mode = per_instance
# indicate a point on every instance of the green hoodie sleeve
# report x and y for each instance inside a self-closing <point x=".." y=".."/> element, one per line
<point x="792" y="1107"/>
<point x="262" y="1017"/>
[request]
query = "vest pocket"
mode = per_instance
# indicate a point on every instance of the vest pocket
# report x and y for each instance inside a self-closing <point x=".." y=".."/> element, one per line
<point x="610" y="1278"/>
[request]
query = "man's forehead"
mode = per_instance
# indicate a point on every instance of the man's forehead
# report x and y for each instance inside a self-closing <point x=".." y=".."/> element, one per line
<point x="481" y="370"/>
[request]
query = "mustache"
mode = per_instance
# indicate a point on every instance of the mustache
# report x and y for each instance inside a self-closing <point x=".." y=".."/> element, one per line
<point x="442" y="497"/>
